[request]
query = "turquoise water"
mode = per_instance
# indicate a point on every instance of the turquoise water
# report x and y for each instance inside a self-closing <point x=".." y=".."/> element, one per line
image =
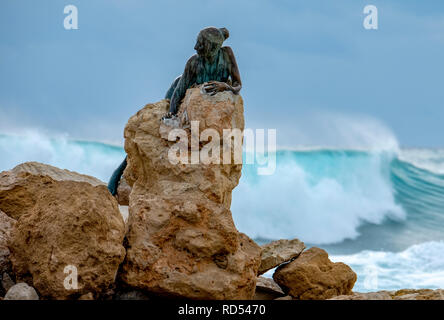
<point x="346" y="199"/>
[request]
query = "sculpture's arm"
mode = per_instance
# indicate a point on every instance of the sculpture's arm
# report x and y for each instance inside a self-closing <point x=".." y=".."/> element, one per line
<point x="235" y="75"/>
<point x="185" y="82"/>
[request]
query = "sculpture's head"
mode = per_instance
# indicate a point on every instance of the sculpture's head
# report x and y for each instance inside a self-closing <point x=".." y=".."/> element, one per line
<point x="210" y="40"/>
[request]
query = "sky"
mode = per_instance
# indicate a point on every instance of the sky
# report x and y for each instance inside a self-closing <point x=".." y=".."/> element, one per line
<point x="309" y="68"/>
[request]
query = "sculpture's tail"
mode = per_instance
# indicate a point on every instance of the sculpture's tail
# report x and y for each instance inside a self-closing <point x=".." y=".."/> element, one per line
<point x="115" y="178"/>
<point x="173" y="86"/>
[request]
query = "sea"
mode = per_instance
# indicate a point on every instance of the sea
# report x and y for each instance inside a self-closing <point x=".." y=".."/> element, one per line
<point x="381" y="211"/>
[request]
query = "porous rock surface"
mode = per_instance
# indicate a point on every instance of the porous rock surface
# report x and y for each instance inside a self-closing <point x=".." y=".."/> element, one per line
<point x="312" y="276"/>
<point x="181" y="238"/>
<point x="64" y="220"/>
<point x="278" y="252"/>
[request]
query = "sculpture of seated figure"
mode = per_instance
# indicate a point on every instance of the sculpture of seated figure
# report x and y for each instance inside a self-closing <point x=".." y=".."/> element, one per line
<point x="213" y="65"/>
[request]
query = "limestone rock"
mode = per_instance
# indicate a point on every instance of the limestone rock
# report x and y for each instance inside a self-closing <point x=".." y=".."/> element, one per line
<point x="7" y="282"/>
<point x="62" y="223"/>
<point x="404" y="294"/>
<point x="268" y="284"/>
<point x="21" y="291"/>
<point x="419" y="294"/>
<point x="267" y="289"/>
<point x="181" y="238"/>
<point x="222" y="111"/>
<point x="87" y="296"/>
<point x="285" y="298"/>
<point x="312" y="276"/>
<point x="123" y="192"/>
<point x="380" y="295"/>
<point x="20" y="186"/>
<point x="278" y="252"/>
<point x="6" y="226"/>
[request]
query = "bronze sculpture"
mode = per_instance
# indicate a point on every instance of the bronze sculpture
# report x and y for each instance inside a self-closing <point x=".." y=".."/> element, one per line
<point x="213" y="65"/>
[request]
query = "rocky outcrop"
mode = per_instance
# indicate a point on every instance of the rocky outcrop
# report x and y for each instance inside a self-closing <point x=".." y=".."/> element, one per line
<point x="312" y="276"/>
<point x="278" y="252"/>
<point x="418" y="294"/>
<point x="21" y="186"/>
<point x="404" y="294"/>
<point x="220" y="112"/>
<point x="6" y="226"/>
<point x="267" y="289"/>
<point x="382" y="295"/>
<point x="181" y="238"/>
<point x="21" y="291"/>
<point x="62" y="224"/>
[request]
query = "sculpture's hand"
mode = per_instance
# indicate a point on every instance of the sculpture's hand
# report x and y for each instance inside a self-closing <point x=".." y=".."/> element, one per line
<point x="213" y="87"/>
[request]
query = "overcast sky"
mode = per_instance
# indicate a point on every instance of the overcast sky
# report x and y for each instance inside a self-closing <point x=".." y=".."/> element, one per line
<point x="303" y="65"/>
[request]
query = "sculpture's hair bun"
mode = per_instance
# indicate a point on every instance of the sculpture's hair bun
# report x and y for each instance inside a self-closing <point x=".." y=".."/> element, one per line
<point x="215" y="35"/>
<point x="225" y="32"/>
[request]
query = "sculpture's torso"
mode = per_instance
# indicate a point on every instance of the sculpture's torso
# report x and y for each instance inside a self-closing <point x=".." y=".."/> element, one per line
<point x="219" y="70"/>
<point x="202" y="71"/>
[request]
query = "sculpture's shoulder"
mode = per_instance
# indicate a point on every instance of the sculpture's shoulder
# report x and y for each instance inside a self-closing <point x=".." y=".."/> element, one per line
<point x="193" y="60"/>
<point x="192" y="65"/>
<point x="228" y="55"/>
<point x="228" y="51"/>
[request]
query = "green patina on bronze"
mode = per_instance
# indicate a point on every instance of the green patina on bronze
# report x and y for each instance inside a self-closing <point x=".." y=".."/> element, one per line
<point x="213" y="65"/>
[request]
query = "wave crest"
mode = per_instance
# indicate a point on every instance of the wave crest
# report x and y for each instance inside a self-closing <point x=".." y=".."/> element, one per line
<point x="319" y="196"/>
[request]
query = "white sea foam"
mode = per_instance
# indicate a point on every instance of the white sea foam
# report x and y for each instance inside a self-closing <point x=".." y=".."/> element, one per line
<point x="322" y="197"/>
<point x="323" y="200"/>
<point x="419" y="266"/>
<point x="428" y="159"/>
<point x="93" y="159"/>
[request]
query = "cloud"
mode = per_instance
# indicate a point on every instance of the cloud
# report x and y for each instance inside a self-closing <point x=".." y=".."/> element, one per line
<point x="293" y="56"/>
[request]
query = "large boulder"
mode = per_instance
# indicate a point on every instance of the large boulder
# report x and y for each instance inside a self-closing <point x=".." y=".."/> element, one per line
<point x="181" y="239"/>
<point x="20" y="187"/>
<point x="278" y="252"/>
<point x="64" y="227"/>
<point x="312" y="276"/>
